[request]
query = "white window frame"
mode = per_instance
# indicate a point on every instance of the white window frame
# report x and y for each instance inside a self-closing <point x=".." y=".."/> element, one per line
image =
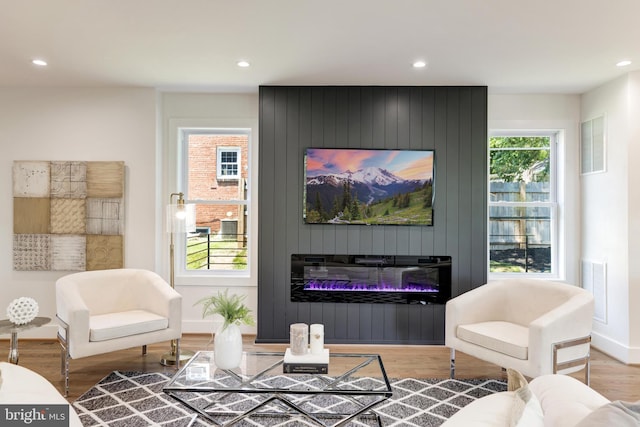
<point x="219" y="163"/>
<point x="235" y="277"/>
<point x="552" y="203"/>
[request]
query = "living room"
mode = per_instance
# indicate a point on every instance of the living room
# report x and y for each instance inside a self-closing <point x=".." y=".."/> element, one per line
<point x="47" y="114"/>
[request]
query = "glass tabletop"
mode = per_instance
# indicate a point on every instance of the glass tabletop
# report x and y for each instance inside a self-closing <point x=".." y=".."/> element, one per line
<point x="258" y="372"/>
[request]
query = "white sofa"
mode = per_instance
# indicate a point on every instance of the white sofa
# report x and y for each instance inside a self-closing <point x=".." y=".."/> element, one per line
<point x="565" y="402"/>
<point x="24" y="386"/>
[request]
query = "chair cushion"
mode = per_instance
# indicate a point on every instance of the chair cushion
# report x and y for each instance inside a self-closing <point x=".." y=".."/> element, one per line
<point x="504" y="337"/>
<point x="104" y="327"/>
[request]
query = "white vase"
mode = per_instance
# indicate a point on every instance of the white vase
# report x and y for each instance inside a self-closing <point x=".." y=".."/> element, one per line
<point x="227" y="347"/>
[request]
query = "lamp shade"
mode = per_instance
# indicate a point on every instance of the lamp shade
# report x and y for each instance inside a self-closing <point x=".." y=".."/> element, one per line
<point x="181" y="218"/>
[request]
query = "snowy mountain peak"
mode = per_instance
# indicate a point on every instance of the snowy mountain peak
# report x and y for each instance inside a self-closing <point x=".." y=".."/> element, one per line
<point x="368" y="176"/>
<point x="374" y="175"/>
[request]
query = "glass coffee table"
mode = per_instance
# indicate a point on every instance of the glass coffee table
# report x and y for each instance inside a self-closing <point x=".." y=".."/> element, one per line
<point x="353" y="385"/>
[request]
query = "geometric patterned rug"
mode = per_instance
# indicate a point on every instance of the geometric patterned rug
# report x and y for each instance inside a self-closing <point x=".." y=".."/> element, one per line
<point x="135" y="399"/>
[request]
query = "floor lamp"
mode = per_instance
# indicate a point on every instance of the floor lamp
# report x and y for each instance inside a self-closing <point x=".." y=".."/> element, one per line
<point x="181" y="218"/>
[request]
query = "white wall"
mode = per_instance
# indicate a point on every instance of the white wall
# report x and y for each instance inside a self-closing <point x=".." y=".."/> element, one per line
<point x="207" y="111"/>
<point x="634" y="216"/>
<point x="611" y="215"/>
<point x="551" y="112"/>
<point x="77" y="124"/>
<point x="138" y="127"/>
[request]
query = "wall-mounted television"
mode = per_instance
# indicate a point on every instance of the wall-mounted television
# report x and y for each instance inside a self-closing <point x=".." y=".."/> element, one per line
<point x="368" y="186"/>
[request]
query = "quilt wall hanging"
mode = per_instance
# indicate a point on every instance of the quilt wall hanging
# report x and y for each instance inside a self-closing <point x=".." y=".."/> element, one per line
<point x="68" y="215"/>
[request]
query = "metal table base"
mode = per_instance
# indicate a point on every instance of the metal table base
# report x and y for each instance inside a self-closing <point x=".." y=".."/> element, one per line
<point x="278" y="400"/>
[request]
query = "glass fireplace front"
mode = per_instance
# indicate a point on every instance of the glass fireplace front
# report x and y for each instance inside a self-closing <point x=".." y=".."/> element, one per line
<point x="395" y="279"/>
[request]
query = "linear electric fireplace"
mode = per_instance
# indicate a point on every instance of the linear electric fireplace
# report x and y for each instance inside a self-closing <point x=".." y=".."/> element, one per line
<point x="397" y="279"/>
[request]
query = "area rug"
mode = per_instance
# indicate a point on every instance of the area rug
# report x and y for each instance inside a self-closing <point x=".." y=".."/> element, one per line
<point x="136" y="399"/>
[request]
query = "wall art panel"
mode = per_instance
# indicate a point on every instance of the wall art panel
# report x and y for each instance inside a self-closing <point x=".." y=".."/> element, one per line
<point x="31" y="215"/>
<point x="104" y="216"/>
<point x="104" y="252"/>
<point x="68" y="253"/>
<point x="68" y="215"/>
<point x="31" y="252"/>
<point x="31" y="179"/>
<point x="69" y="180"/>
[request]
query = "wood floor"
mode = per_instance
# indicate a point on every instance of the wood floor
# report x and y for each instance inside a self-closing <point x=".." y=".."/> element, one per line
<point x="608" y="376"/>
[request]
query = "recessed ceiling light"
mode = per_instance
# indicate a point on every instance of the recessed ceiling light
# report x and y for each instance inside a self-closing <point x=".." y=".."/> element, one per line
<point x="623" y="63"/>
<point x="39" y="62"/>
<point x="243" y="64"/>
<point x="419" y="64"/>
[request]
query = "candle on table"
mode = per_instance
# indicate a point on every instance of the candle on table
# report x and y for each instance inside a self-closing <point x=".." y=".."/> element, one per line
<point x="317" y="338"/>
<point x="299" y="338"/>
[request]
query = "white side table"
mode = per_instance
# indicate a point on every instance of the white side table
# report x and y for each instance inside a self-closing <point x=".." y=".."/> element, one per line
<point x="6" y="327"/>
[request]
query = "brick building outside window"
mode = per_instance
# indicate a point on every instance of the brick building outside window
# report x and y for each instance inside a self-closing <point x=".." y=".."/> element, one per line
<point x="217" y="182"/>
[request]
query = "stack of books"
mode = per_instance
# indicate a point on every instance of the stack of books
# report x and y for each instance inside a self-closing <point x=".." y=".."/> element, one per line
<point x="308" y="363"/>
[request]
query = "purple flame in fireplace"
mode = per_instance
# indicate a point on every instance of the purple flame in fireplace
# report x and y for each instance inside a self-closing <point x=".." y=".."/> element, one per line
<point x="346" y="285"/>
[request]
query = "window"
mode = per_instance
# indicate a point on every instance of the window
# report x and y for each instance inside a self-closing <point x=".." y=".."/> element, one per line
<point x="228" y="166"/>
<point x="216" y="175"/>
<point x="522" y="203"/>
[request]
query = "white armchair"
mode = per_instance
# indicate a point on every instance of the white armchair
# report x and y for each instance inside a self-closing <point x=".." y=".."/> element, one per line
<point x="108" y="310"/>
<point x="534" y="326"/>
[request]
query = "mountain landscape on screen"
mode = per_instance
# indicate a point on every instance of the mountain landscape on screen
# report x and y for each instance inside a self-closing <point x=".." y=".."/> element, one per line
<point x="354" y="186"/>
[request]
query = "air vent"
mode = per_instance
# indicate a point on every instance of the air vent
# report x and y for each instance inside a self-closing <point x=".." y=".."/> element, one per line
<point x="592" y="145"/>
<point x="594" y="280"/>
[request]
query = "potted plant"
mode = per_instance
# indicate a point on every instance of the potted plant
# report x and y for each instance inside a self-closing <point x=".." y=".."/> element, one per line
<point x="227" y="342"/>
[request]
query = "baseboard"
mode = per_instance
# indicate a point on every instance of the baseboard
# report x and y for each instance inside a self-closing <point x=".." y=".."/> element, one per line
<point x="623" y="353"/>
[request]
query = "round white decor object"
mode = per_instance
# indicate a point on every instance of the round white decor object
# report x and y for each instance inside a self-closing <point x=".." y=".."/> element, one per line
<point x="22" y="310"/>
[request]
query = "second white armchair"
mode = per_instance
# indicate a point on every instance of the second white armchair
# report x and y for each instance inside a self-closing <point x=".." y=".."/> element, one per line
<point x="532" y="325"/>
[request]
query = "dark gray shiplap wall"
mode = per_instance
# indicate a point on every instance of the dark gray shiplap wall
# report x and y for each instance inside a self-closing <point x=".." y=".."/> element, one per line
<point x="451" y="120"/>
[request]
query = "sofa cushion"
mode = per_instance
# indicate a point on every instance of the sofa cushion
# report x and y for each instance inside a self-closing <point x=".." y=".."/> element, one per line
<point x="564" y="399"/>
<point x="504" y="337"/>
<point x="104" y="327"/>
<point x="616" y="413"/>
<point x="23" y="386"/>
<point x="489" y="411"/>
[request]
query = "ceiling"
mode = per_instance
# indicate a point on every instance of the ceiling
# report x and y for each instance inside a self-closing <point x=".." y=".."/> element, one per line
<point x="511" y="46"/>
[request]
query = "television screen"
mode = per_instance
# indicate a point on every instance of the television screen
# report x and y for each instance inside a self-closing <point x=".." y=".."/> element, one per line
<point x="368" y="186"/>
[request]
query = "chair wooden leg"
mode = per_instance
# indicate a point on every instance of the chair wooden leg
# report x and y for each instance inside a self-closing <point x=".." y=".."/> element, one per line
<point x="144" y="350"/>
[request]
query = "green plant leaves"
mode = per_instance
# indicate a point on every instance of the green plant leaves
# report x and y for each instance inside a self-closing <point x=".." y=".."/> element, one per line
<point x="231" y="308"/>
